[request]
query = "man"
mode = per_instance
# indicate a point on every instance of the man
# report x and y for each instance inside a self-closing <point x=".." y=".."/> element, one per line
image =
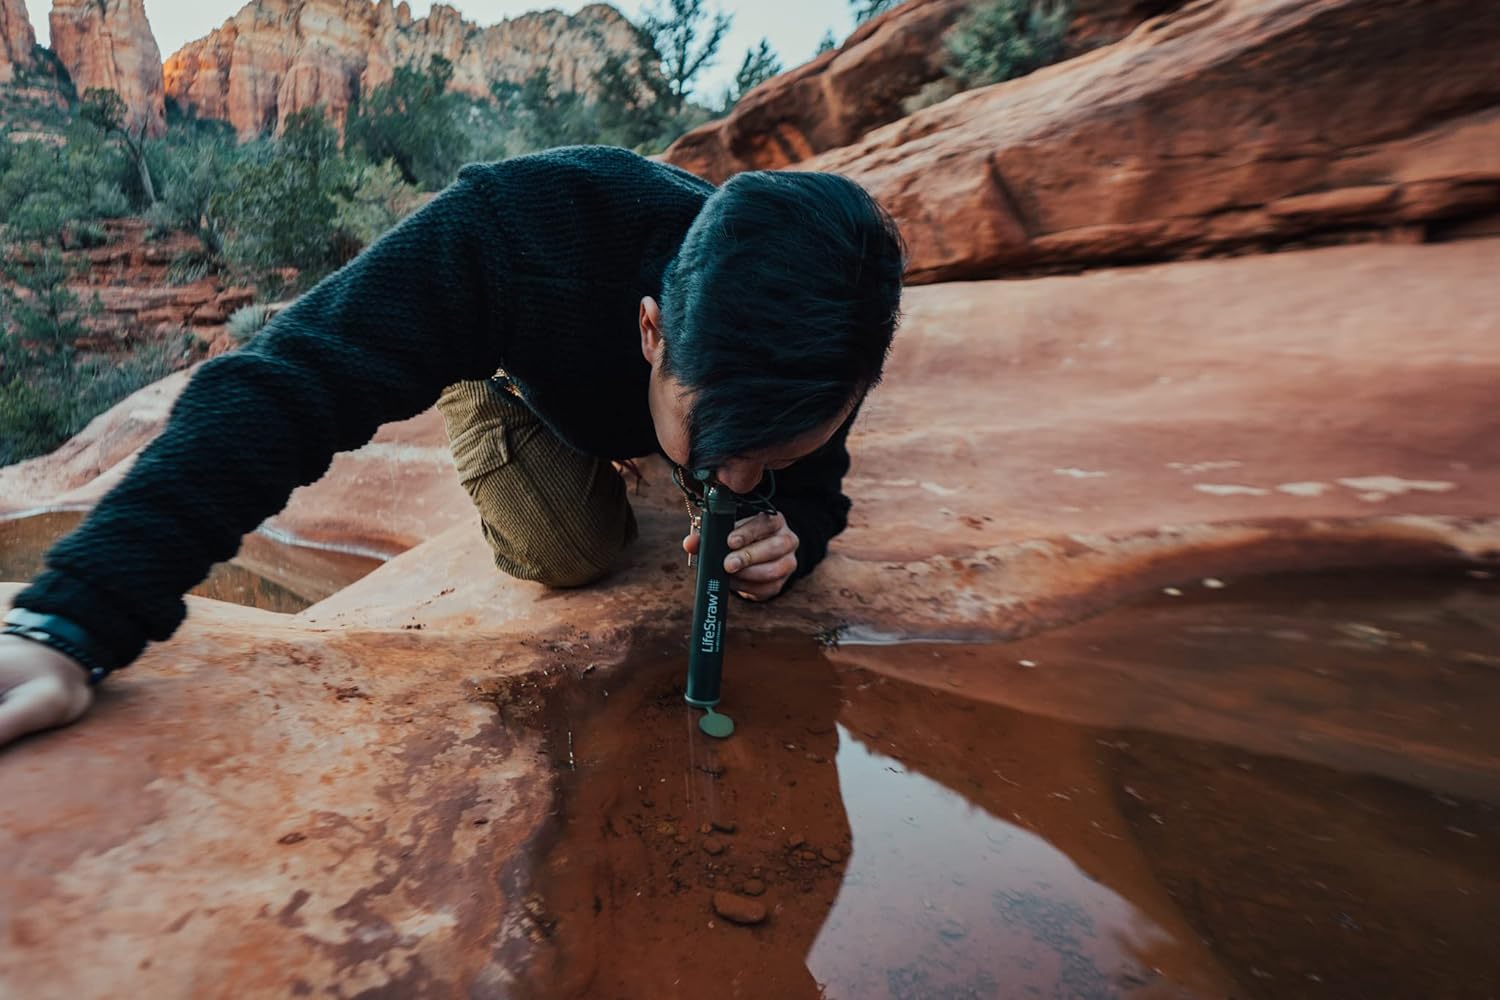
<point x="564" y="310"/>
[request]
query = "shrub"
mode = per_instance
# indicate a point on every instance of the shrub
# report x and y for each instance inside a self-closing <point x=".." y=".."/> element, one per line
<point x="85" y="235"/>
<point x="414" y="122"/>
<point x="191" y="266"/>
<point x="1002" y="39"/>
<point x="373" y="199"/>
<point x="34" y="417"/>
<point x="40" y="316"/>
<point x="107" y="201"/>
<point x="277" y="206"/>
<point x="160" y="220"/>
<point x="41" y="410"/>
<point x="246" y="321"/>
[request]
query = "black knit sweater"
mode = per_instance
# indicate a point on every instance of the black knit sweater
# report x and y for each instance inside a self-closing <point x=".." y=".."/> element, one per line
<point x="537" y="264"/>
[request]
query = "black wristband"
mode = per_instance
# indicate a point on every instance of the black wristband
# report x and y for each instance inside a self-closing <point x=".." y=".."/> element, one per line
<point x="63" y="635"/>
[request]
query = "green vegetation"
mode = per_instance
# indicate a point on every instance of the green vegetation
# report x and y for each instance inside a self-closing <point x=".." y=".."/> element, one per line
<point x="42" y="408"/>
<point x="686" y="38"/>
<point x="1003" y="39"/>
<point x="866" y="9"/>
<point x="758" y="66"/>
<point x="277" y="212"/>
<point x="413" y="121"/>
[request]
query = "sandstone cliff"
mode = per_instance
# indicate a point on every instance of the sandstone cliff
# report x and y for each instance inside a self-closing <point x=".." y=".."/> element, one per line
<point x="868" y="81"/>
<point x="277" y="56"/>
<point x="16" y="39"/>
<point x="1225" y="126"/>
<point x="108" y="43"/>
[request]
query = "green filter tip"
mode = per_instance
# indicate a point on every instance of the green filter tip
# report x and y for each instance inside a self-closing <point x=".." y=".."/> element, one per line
<point x="718" y="726"/>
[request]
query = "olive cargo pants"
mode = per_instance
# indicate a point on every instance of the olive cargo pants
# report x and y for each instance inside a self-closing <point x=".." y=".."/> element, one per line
<point x="549" y="512"/>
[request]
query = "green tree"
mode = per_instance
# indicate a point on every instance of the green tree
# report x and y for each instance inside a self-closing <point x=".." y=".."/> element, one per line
<point x="278" y="207"/>
<point x="758" y="66"/>
<point x="41" y="317"/>
<point x="415" y="122"/>
<point x="866" y="9"/>
<point x="632" y="106"/>
<point x="106" y="111"/>
<point x="1003" y="39"/>
<point x="828" y="43"/>
<point x="539" y="114"/>
<point x="685" y="36"/>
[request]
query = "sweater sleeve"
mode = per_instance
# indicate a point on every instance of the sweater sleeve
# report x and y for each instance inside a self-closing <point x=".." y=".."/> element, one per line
<point x="810" y="494"/>
<point x="376" y="341"/>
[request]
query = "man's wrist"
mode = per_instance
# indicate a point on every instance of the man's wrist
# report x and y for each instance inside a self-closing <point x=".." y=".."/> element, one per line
<point x="61" y="634"/>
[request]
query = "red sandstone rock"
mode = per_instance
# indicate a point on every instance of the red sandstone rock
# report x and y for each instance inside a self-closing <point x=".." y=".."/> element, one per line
<point x="828" y="102"/>
<point x="1222" y="126"/>
<point x="275" y="57"/>
<point x="17" y="39"/>
<point x="838" y="97"/>
<point x="108" y="43"/>
<point x="1039" y="450"/>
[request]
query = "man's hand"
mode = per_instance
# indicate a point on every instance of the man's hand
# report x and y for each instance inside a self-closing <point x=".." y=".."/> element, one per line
<point x="39" y="688"/>
<point x="762" y="555"/>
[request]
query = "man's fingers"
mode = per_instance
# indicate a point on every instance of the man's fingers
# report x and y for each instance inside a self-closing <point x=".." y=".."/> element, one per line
<point x="753" y="529"/>
<point x="767" y="572"/>
<point x="35" y="704"/>
<point x="764" y="551"/>
<point x="759" y="591"/>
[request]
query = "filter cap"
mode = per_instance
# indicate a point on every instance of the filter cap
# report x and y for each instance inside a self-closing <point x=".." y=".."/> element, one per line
<point x="718" y="726"/>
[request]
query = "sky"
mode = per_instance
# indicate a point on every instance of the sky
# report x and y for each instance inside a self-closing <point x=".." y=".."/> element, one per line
<point x="794" y="26"/>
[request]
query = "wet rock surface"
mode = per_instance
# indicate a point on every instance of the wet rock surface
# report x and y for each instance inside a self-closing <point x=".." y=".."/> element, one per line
<point x="439" y="781"/>
<point x="1195" y="808"/>
<point x="368" y="790"/>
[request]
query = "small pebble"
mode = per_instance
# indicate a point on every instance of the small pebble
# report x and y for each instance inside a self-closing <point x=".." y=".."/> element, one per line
<point x="1028" y="664"/>
<point x="739" y="909"/>
<point x="833" y="855"/>
<point x="795" y="840"/>
<point x="1213" y="584"/>
<point x="666" y="829"/>
<point x="713" y="845"/>
<point x="1171" y="591"/>
<point x="753" y="887"/>
<point x="705" y="828"/>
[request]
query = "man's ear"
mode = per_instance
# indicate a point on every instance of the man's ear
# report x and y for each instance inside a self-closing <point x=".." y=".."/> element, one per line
<point x="651" y="339"/>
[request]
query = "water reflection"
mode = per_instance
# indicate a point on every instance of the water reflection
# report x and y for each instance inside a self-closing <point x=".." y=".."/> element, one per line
<point x="266" y="573"/>
<point x="956" y="902"/>
<point x="1234" y="796"/>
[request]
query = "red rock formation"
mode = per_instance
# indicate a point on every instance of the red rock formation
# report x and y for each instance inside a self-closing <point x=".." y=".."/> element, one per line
<point x="1223" y="126"/>
<point x="17" y="39"/>
<point x="1039" y="450"/>
<point x="828" y="102"/>
<point x="277" y="56"/>
<point x="108" y="43"/>
<point x="868" y="81"/>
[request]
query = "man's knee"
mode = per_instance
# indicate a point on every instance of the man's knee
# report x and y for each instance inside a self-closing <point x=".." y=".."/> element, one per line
<point x="585" y="555"/>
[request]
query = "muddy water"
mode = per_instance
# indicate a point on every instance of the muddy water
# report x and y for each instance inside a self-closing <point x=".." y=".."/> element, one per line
<point x="265" y="574"/>
<point x="1287" y="789"/>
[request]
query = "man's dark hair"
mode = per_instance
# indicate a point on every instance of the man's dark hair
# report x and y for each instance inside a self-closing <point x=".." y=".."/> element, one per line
<point x="778" y="310"/>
